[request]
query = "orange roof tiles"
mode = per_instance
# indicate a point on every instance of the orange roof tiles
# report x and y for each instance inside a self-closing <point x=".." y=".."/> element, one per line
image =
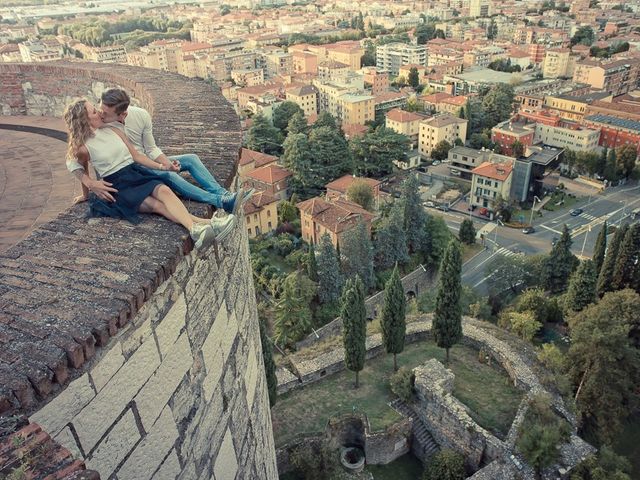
<point x="399" y="115"/>
<point x="337" y="215"/>
<point x="248" y="156"/>
<point x="343" y="183"/>
<point x="269" y="174"/>
<point x="497" y="171"/>
<point x="258" y="201"/>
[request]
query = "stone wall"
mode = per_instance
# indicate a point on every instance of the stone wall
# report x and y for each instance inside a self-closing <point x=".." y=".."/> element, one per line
<point x="135" y="353"/>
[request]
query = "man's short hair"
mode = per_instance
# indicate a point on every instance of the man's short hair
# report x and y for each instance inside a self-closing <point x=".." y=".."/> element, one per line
<point x="115" y="97"/>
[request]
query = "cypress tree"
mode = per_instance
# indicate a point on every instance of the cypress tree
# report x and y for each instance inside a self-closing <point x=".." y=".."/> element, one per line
<point x="624" y="272"/>
<point x="391" y="241"/>
<point x="330" y="279"/>
<point x="393" y="317"/>
<point x="415" y="217"/>
<point x="358" y="255"/>
<point x="312" y="265"/>
<point x="269" y="364"/>
<point x="467" y="233"/>
<point x="600" y="249"/>
<point x="560" y="264"/>
<point x="609" y="265"/>
<point x="582" y="287"/>
<point x="354" y="328"/>
<point x="447" y="318"/>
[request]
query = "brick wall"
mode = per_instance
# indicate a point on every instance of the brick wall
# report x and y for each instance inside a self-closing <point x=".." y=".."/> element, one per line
<point x="137" y="355"/>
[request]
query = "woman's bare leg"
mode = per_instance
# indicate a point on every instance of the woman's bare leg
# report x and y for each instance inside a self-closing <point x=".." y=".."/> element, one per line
<point x="153" y="205"/>
<point x="175" y="209"/>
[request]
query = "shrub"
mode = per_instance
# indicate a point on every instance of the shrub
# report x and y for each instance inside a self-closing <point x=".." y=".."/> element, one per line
<point x="445" y="465"/>
<point x="402" y="383"/>
<point x="283" y="245"/>
<point x="314" y="462"/>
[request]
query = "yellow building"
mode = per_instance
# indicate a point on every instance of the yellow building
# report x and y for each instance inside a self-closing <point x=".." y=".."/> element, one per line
<point x="355" y="109"/>
<point x="558" y="62"/>
<point x="405" y="123"/>
<point x="490" y="181"/>
<point x="568" y="107"/>
<point x="441" y="127"/>
<point x="261" y="214"/>
<point x="305" y="96"/>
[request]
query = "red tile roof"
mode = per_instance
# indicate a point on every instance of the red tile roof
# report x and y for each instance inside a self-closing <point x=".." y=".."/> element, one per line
<point x="399" y="115"/>
<point x="258" y="201"/>
<point x="337" y="216"/>
<point x="497" y="171"/>
<point x="343" y="183"/>
<point x="260" y="159"/>
<point x="269" y="174"/>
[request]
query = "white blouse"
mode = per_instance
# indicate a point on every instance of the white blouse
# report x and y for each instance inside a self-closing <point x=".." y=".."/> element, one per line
<point x="107" y="151"/>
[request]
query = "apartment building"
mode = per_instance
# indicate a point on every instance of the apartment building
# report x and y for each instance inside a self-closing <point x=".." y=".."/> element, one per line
<point x="615" y="132"/>
<point x="445" y="56"/>
<point x="305" y="96"/>
<point x="261" y="214"/>
<point x="40" y="50"/>
<point x="617" y="77"/>
<point x="248" y="77"/>
<point x="405" y="123"/>
<point x="572" y="107"/>
<point x="376" y="80"/>
<point x="392" y="56"/>
<point x="304" y="61"/>
<point x="571" y="136"/>
<point x="110" y="54"/>
<point x="466" y="159"/>
<point x="331" y="70"/>
<point x="338" y="188"/>
<point x="250" y="160"/>
<point x="483" y="56"/>
<point x="333" y="217"/>
<point x="248" y="94"/>
<point x="277" y="63"/>
<point x="505" y="134"/>
<point x="271" y="178"/>
<point x="488" y="182"/>
<point x="558" y="62"/>
<point x="479" y="8"/>
<point x="436" y="129"/>
<point x="355" y="108"/>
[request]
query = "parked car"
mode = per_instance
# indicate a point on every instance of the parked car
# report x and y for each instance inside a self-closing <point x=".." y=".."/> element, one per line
<point x="484" y="211"/>
<point x="455" y="172"/>
<point x="435" y="162"/>
<point x="575" y="212"/>
<point x="443" y="207"/>
<point x="429" y="204"/>
<point x="528" y="230"/>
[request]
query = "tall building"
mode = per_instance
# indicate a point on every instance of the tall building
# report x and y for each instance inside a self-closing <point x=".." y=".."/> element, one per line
<point x="441" y="127"/>
<point x="478" y="8"/>
<point x="392" y="56"/>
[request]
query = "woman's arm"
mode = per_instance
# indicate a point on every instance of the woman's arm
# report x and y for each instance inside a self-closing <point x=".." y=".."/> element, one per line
<point x="101" y="188"/>
<point x="139" y="157"/>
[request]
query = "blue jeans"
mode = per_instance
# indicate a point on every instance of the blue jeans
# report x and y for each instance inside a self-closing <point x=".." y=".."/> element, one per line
<point x="211" y="192"/>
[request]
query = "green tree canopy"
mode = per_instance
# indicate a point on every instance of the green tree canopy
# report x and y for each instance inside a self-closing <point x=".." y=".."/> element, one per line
<point x="312" y="265"/>
<point x="414" y="218"/>
<point x="447" y="318"/>
<point x="626" y="160"/>
<point x="297" y="158"/>
<point x="297" y="124"/>
<point x="357" y="254"/>
<point x="375" y="152"/>
<point x="354" y="328"/>
<point x="435" y="238"/>
<point x="263" y="137"/>
<point x="441" y="150"/>
<point x="605" y="278"/>
<point x="584" y="36"/>
<point x="292" y="312"/>
<point x="467" y="233"/>
<point x="283" y="113"/>
<point x="330" y="279"/>
<point x="325" y="119"/>
<point x="360" y="192"/>
<point x="445" y="465"/>
<point x="560" y="264"/>
<point x="330" y="154"/>
<point x="600" y="249"/>
<point x="393" y="317"/>
<point x="391" y="241"/>
<point x="604" y="362"/>
<point x="626" y="273"/>
<point x="414" y="77"/>
<point x="498" y="104"/>
<point x="582" y="287"/>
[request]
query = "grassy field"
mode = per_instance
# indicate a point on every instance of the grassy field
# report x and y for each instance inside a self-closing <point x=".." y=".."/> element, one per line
<point x="486" y="390"/>
<point x="560" y="196"/>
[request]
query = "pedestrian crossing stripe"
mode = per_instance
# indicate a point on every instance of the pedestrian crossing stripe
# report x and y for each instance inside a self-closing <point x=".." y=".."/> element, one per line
<point x="506" y="252"/>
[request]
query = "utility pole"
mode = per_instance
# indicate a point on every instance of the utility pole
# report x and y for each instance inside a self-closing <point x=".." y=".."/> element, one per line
<point x="535" y="198"/>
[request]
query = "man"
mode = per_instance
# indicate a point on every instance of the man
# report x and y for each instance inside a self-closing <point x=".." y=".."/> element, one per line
<point x="136" y="123"/>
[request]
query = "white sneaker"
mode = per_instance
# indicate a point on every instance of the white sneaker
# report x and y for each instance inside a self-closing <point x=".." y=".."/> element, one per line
<point x="222" y="227"/>
<point x="203" y="235"/>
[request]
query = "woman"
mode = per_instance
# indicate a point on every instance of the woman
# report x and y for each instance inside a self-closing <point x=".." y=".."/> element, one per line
<point x="125" y="188"/>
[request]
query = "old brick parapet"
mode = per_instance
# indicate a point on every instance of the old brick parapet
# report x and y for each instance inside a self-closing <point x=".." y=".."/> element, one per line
<point x="139" y="355"/>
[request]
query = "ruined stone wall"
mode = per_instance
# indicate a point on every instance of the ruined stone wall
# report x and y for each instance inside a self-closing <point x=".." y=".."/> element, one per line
<point x="131" y="350"/>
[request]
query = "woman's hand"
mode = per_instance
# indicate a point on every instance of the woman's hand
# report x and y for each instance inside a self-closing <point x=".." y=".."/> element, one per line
<point x="80" y="199"/>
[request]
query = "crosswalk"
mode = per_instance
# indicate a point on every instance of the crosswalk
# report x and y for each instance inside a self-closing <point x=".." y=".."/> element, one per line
<point x="588" y="216"/>
<point x="506" y="252"/>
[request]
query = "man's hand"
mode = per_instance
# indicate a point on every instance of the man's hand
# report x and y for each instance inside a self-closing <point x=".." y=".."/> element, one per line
<point x="102" y="189"/>
<point x="80" y="199"/>
<point x="175" y="165"/>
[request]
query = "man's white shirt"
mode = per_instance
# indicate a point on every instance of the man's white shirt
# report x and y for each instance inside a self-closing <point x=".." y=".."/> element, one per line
<point x="139" y="129"/>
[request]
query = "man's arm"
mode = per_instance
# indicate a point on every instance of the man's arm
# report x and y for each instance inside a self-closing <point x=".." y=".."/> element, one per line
<point x="79" y="168"/>
<point x="149" y="142"/>
<point x="139" y="157"/>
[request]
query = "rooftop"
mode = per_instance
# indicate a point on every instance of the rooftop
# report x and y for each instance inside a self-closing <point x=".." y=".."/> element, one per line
<point x="336" y="215"/>
<point x="259" y="159"/>
<point x="258" y="201"/>
<point x="443" y="120"/>
<point x="614" y="121"/>
<point x="269" y="174"/>
<point x="399" y="115"/>
<point x="497" y="171"/>
<point x="343" y="183"/>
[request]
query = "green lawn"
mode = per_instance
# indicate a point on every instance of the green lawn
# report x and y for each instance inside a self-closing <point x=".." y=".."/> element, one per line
<point x="487" y="391"/>
<point x="568" y="201"/>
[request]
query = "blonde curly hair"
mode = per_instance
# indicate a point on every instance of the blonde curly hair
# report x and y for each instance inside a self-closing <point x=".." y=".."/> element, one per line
<point x="77" y="120"/>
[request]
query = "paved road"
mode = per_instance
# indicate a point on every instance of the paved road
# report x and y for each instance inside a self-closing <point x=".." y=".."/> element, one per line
<point x="614" y="206"/>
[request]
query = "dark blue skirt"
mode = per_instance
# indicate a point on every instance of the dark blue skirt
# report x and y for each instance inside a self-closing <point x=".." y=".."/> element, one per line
<point x="134" y="184"/>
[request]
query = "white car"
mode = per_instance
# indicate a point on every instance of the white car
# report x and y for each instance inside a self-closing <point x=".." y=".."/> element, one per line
<point x="435" y="162"/>
<point x="429" y="204"/>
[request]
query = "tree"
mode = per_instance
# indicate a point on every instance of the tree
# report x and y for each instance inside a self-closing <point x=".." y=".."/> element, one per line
<point x="354" y="328"/>
<point x="447" y="318"/>
<point x="517" y="148"/>
<point x="414" y="218"/>
<point x="297" y="158"/>
<point x="600" y="249"/>
<point x="611" y="168"/>
<point x="287" y="211"/>
<point x="604" y="363"/>
<point x="626" y="159"/>
<point x="424" y="33"/>
<point x="360" y="192"/>
<point x="560" y="264"/>
<point x="467" y="233"/>
<point x="357" y="253"/>
<point x="330" y="154"/>
<point x="269" y="364"/>
<point x="393" y="317"/>
<point x="626" y="273"/>
<point x="441" y="150"/>
<point x="435" y="238"/>
<point x="502" y="207"/>
<point x="535" y="301"/>
<point x="498" y="104"/>
<point x="297" y="124"/>
<point x="492" y="30"/>
<point x="263" y="137"/>
<point x="390" y="241"/>
<point x="474" y="112"/>
<point x="292" y="312"/>
<point x="330" y="279"/>
<point x="605" y="278"/>
<point x="414" y="77"/>
<point x="312" y="265"/>
<point x="582" y="287"/>
<point x="601" y="163"/>
<point x="283" y="113"/>
<point x="325" y="119"/>
<point x="510" y="273"/>
<point x="524" y="324"/>
<point x="584" y="36"/>
<point x="445" y="465"/>
<point x="374" y="152"/>
<point x="479" y="140"/>
<point x="606" y="466"/>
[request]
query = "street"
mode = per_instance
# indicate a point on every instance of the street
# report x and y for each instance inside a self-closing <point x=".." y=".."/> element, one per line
<point x="614" y="206"/>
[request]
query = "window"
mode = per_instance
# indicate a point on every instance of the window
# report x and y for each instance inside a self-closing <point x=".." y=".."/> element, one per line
<point x="249" y="230"/>
<point x="269" y="224"/>
<point x="268" y="213"/>
<point x="255" y="217"/>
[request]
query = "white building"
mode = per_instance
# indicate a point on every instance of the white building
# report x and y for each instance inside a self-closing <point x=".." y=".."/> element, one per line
<point x="392" y="56"/>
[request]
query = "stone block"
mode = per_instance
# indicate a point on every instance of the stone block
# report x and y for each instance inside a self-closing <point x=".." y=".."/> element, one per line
<point x="169" y="469"/>
<point x="226" y="465"/>
<point x="149" y="454"/>
<point x="56" y="414"/>
<point x="94" y="419"/>
<point x="216" y="349"/>
<point x="168" y="330"/>
<point x="134" y="336"/>
<point x="251" y="376"/>
<point x="115" y="446"/>
<point x="107" y="366"/>
<point x="66" y="439"/>
<point x="164" y="382"/>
